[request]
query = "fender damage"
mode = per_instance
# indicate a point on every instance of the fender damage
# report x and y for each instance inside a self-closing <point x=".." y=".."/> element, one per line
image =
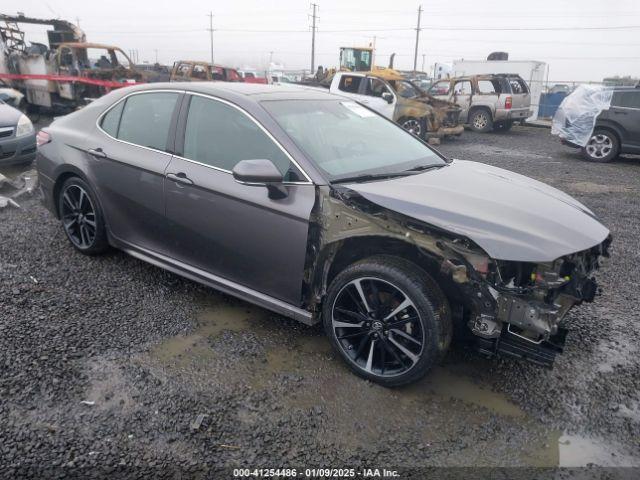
<point x="508" y="307"/>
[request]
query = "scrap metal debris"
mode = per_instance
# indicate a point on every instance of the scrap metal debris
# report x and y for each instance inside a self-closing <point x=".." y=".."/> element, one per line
<point x="11" y="189"/>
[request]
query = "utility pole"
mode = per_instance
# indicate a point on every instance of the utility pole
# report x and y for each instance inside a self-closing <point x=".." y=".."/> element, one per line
<point x="211" y="34"/>
<point x="423" y="55"/>
<point x="415" y="55"/>
<point x="78" y="21"/>
<point x="156" y="50"/>
<point x="313" y="39"/>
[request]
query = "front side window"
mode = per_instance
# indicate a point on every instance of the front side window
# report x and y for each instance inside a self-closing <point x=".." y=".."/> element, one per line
<point x="406" y="89"/>
<point x="346" y="140"/>
<point x="376" y="87"/>
<point x="146" y="119"/>
<point x="220" y="135"/>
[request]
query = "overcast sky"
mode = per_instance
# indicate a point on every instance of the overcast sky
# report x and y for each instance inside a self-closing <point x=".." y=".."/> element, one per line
<point x="581" y="40"/>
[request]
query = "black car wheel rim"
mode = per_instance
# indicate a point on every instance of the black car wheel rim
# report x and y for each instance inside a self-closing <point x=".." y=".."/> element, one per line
<point x="78" y="216"/>
<point x="413" y="126"/>
<point x="378" y="327"/>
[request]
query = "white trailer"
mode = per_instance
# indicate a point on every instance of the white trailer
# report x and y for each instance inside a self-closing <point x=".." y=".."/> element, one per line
<point x="533" y="72"/>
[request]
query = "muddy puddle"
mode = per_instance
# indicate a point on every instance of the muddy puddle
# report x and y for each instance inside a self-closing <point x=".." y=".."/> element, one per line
<point x="435" y="409"/>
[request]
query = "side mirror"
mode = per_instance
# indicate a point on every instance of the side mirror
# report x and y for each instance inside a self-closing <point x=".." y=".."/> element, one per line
<point x="388" y="97"/>
<point x="261" y="173"/>
<point x="256" y="172"/>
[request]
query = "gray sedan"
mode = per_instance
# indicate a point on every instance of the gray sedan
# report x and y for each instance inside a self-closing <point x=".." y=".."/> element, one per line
<point x="318" y="208"/>
<point x="17" y="137"/>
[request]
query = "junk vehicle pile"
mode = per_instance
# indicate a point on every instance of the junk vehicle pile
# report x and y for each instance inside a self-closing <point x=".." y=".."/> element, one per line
<point x="67" y="73"/>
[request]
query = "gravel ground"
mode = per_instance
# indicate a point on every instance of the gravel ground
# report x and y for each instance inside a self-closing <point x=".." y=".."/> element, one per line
<point x="109" y="361"/>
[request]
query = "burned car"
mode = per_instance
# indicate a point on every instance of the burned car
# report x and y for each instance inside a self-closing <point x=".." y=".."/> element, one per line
<point x="67" y="73"/>
<point x="193" y="71"/>
<point x="315" y="207"/>
<point x="390" y="94"/>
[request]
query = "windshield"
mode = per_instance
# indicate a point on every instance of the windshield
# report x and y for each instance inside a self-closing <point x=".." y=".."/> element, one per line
<point x="346" y="140"/>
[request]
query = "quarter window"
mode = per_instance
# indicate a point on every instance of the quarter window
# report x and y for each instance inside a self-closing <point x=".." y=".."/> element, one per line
<point x="221" y="136"/>
<point x="111" y="120"/>
<point x="146" y="119"/>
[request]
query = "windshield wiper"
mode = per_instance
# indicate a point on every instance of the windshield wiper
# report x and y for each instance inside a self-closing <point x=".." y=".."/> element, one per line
<point x="422" y="168"/>
<point x="371" y="176"/>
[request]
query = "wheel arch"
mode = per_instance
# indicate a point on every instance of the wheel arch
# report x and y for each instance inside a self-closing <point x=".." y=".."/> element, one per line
<point x="475" y="108"/>
<point x="610" y="127"/>
<point x="62" y="175"/>
<point x="338" y="255"/>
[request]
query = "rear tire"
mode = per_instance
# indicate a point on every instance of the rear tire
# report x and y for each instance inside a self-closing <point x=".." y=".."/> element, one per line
<point x="603" y="147"/>
<point x="378" y="338"/>
<point x="481" y="121"/>
<point x="81" y="217"/>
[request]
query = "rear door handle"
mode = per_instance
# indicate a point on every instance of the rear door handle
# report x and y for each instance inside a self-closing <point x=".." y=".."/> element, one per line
<point x="620" y="112"/>
<point x="97" y="152"/>
<point x="180" y="177"/>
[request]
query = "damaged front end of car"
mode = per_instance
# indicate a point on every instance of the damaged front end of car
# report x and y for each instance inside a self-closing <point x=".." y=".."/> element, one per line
<point x="516" y="308"/>
<point x="508" y="308"/>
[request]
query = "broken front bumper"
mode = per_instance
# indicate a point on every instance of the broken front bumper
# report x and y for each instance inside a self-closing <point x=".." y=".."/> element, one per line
<point x="445" y="131"/>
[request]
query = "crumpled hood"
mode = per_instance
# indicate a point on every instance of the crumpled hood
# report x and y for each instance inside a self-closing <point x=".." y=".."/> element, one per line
<point x="510" y="216"/>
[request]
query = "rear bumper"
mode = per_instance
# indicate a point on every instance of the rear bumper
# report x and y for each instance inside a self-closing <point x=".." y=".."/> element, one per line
<point x="513" y="114"/>
<point x="17" y="150"/>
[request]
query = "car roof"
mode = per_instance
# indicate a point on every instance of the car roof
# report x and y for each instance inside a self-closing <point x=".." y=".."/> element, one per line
<point x="247" y="92"/>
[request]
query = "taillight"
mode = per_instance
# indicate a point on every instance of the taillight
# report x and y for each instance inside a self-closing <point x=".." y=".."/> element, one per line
<point x="508" y="103"/>
<point x="42" y="138"/>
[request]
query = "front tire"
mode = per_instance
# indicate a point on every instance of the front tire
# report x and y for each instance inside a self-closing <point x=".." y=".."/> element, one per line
<point x="81" y="217"/>
<point x="387" y="319"/>
<point x="603" y="147"/>
<point x="414" y="126"/>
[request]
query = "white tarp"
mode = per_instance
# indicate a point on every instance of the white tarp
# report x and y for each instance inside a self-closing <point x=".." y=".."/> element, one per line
<point x="576" y="116"/>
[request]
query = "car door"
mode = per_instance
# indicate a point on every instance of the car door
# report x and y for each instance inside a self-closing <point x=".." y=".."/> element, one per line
<point x="228" y="229"/>
<point x="462" y="92"/>
<point x="625" y="111"/>
<point x="374" y="89"/>
<point x="128" y="155"/>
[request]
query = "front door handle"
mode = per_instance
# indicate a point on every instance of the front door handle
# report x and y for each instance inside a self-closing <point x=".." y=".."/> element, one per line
<point x="180" y="177"/>
<point x="97" y="152"/>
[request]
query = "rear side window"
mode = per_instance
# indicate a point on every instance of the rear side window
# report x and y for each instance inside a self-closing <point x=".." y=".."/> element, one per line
<point x="489" y="86"/>
<point x="111" y="120"/>
<point x="349" y="83"/>
<point x="146" y="119"/>
<point x="220" y="135"/>
<point x="627" y="99"/>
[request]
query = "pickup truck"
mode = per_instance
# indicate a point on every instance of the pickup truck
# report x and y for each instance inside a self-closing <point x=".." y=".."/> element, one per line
<point x="391" y="95"/>
<point x="488" y="102"/>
